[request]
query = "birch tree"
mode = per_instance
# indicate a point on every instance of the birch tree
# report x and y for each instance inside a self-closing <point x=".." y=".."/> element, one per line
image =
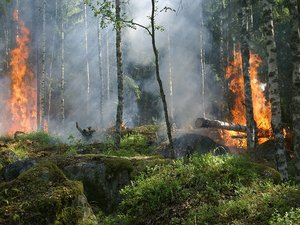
<point x="295" y="47"/>
<point x="251" y="124"/>
<point x="100" y="72"/>
<point x="86" y="59"/>
<point x="274" y="94"/>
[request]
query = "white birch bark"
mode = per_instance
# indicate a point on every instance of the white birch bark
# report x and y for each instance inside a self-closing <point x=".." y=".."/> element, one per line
<point x="274" y="94"/>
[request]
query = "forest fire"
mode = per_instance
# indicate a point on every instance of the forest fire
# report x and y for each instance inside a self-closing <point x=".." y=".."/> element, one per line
<point x="20" y="107"/>
<point x="261" y="107"/>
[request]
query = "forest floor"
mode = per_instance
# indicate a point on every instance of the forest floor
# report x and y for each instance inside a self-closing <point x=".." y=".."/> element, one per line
<point x="46" y="181"/>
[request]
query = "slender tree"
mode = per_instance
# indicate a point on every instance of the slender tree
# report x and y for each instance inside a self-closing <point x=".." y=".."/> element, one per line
<point x="274" y="94"/>
<point x="107" y="67"/>
<point x="43" y="78"/>
<point x="51" y="64"/>
<point x="202" y="65"/>
<point x="157" y="70"/>
<point x="120" y="78"/>
<point x="222" y="61"/>
<point x="295" y="48"/>
<point x="62" y="68"/>
<point x="86" y="59"/>
<point x="251" y="124"/>
<point x="170" y="71"/>
<point x="100" y="72"/>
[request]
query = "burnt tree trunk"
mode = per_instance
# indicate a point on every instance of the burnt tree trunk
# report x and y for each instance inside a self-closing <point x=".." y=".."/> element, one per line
<point x="251" y="124"/>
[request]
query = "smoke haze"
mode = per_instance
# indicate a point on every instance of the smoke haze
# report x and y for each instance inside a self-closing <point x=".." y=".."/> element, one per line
<point x="178" y="46"/>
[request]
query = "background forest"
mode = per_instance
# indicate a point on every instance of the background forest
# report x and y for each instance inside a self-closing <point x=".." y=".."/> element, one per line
<point x="196" y="45"/>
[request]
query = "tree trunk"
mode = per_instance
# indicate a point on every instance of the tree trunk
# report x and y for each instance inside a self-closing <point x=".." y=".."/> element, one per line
<point x="43" y="78"/>
<point x="37" y="20"/>
<point x="274" y="94"/>
<point x="62" y="78"/>
<point x="251" y="124"/>
<point x="120" y="78"/>
<point x="51" y="66"/>
<point x="202" y="66"/>
<point x="87" y="60"/>
<point x="224" y="106"/>
<point x="295" y="47"/>
<point x="162" y="94"/>
<point x="207" y="123"/>
<point x="107" y="67"/>
<point x="6" y="35"/>
<point x="170" y="77"/>
<point x="101" y="103"/>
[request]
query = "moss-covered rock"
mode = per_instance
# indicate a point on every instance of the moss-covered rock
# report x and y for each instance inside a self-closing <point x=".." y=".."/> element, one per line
<point x="43" y="195"/>
<point x="102" y="178"/>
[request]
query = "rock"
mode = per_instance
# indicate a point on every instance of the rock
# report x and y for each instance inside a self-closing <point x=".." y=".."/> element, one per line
<point x="13" y="170"/>
<point x="43" y="195"/>
<point x="191" y="143"/>
<point x="102" y="179"/>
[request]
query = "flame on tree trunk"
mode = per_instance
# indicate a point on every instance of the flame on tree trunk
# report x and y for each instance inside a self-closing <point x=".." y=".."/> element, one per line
<point x="261" y="107"/>
<point x="21" y="105"/>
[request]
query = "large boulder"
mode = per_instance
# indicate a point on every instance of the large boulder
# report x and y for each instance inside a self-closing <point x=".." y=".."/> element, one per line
<point x="43" y="195"/>
<point x="102" y="178"/>
<point x="193" y="143"/>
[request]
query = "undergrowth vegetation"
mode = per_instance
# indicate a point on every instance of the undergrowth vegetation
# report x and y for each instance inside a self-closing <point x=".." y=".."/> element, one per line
<point x="209" y="190"/>
<point x="202" y="189"/>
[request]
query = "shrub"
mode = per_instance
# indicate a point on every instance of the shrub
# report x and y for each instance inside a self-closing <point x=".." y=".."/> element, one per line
<point x="169" y="193"/>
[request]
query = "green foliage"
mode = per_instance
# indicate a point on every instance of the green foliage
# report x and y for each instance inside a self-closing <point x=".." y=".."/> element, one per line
<point x="41" y="138"/>
<point x="290" y="217"/>
<point x="210" y="189"/>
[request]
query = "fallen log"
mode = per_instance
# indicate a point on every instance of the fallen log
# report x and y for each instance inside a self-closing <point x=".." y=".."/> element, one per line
<point x="207" y="123"/>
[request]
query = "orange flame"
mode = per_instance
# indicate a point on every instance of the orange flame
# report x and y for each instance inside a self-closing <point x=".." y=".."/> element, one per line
<point x="21" y="106"/>
<point x="261" y="107"/>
